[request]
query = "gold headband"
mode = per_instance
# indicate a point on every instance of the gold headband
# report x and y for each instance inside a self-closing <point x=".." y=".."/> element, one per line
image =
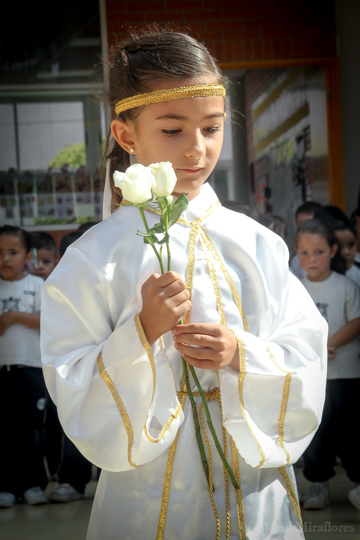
<point x="168" y="94"/>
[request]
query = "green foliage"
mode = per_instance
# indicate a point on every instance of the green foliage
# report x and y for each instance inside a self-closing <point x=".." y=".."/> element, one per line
<point x="73" y="156"/>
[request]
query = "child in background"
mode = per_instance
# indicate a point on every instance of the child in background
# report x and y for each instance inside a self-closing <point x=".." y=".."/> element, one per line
<point x="117" y="375"/>
<point x="304" y="212"/>
<point x="346" y="236"/>
<point x="43" y="262"/>
<point x="338" y="300"/>
<point x="67" y="240"/>
<point x="63" y="458"/>
<point x="355" y="220"/>
<point x="275" y="223"/>
<point x="44" y="251"/>
<point x="22" y="387"/>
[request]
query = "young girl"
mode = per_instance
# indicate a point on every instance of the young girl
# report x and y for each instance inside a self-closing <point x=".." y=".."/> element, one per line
<point x="338" y="299"/>
<point x="22" y="388"/>
<point x="346" y="235"/>
<point x="112" y="346"/>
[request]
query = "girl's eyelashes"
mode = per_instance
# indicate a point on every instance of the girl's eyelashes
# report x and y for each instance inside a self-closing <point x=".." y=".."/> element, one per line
<point x="208" y="131"/>
<point x="213" y="129"/>
<point x="171" y="131"/>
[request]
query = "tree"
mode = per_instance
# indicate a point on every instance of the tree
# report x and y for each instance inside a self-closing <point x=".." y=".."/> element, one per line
<point x="72" y="156"/>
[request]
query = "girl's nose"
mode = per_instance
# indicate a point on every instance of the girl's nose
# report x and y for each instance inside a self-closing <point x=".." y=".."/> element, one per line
<point x="196" y="146"/>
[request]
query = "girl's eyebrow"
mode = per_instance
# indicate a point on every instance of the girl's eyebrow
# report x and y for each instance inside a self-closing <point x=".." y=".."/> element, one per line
<point x="171" y="116"/>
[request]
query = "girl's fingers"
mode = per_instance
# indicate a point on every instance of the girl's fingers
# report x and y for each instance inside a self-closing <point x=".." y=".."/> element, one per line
<point x="199" y="353"/>
<point x="198" y="328"/>
<point x="150" y="280"/>
<point x="199" y="340"/>
<point x="209" y="346"/>
<point x="168" y="284"/>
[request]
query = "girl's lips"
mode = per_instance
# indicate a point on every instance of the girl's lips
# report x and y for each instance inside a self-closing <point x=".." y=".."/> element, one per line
<point x="191" y="171"/>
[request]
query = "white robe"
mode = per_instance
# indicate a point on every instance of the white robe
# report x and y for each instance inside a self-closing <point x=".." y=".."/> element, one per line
<point x="118" y="398"/>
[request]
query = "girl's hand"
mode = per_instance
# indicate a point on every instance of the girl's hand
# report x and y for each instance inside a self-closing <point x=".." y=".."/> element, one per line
<point x="331" y="354"/>
<point x="216" y="345"/>
<point x="165" y="301"/>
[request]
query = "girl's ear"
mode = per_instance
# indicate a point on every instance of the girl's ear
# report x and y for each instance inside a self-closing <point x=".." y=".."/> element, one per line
<point x="334" y="250"/>
<point x="123" y="133"/>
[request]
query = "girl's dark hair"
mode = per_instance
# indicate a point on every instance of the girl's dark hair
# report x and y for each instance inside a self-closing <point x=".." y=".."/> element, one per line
<point x="43" y="240"/>
<point x="324" y="229"/>
<point x="336" y="217"/>
<point x="24" y="236"/>
<point x="273" y="222"/>
<point x="308" y="207"/>
<point x="143" y="60"/>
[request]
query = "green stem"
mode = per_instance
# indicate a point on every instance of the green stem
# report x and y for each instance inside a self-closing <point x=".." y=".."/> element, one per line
<point x="168" y="211"/>
<point x="196" y="421"/>
<point x="212" y="429"/>
<point x="192" y="370"/>
<point x="142" y="213"/>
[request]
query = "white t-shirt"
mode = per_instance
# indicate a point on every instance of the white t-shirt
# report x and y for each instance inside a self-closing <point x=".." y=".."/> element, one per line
<point x="20" y="344"/>
<point x="338" y="300"/>
<point x="354" y="274"/>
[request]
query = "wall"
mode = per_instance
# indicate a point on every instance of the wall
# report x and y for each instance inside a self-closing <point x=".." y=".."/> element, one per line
<point x="347" y="23"/>
<point x="239" y="33"/>
<point x="236" y="30"/>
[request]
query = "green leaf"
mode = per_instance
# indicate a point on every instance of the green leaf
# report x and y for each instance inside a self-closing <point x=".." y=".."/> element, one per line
<point x="139" y="233"/>
<point x="126" y="203"/>
<point x="178" y="207"/>
<point x="163" y="240"/>
<point x="153" y="239"/>
<point x="152" y="209"/>
<point x="158" y="228"/>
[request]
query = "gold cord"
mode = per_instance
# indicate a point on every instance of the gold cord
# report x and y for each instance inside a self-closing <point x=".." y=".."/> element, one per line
<point x="169" y="94"/>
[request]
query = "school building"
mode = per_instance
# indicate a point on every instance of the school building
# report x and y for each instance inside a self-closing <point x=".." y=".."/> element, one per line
<point x="293" y="103"/>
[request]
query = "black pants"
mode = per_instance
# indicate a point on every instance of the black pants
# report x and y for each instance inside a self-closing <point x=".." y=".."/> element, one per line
<point x="62" y="455"/>
<point x="337" y="434"/>
<point x="22" y="411"/>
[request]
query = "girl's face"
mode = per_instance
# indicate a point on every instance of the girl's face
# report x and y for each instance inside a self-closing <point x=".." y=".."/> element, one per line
<point x="13" y="257"/>
<point x="315" y="256"/>
<point x="46" y="261"/>
<point x="187" y="132"/>
<point x="347" y="241"/>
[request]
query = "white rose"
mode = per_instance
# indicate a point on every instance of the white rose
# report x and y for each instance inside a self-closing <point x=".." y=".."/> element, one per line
<point x="165" y="179"/>
<point x="135" y="183"/>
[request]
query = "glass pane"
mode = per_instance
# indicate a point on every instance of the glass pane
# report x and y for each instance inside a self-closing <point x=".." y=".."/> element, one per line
<point x="7" y="137"/>
<point x="48" y="129"/>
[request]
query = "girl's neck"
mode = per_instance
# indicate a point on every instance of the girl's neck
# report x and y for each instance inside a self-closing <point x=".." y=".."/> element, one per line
<point x="17" y="277"/>
<point x="321" y="278"/>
